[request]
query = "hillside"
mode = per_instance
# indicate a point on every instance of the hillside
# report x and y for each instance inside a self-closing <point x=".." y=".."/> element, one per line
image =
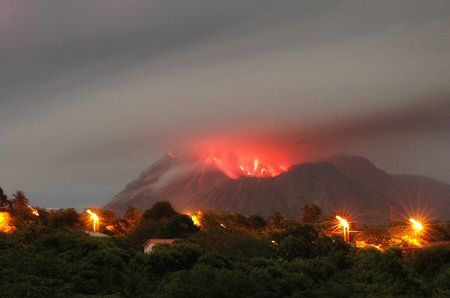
<point x="341" y="183"/>
<point x="410" y="192"/>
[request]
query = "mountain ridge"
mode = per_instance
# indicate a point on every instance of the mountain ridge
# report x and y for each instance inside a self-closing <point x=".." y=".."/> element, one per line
<point x="341" y="183"/>
<point x="409" y="191"/>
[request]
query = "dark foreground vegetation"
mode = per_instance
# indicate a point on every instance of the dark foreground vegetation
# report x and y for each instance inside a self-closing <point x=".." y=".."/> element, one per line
<point x="230" y="256"/>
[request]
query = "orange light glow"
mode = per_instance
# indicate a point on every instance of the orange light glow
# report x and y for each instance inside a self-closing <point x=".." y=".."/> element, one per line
<point x="411" y="240"/>
<point x="172" y="154"/>
<point x="343" y="223"/>
<point x="251" y="167"/>
<point x="417" y="225"/>
<point x="363" y="244"/>
<point x="197" y="218"/>
<point x="6" y="225"/>
<point x="95" y="220"/>
<point x="34" y="211"/>
<point x="247" y="157"/>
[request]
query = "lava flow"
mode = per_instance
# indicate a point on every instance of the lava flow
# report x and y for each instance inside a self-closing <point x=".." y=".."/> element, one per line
<point x="236" y="167"/>
<point x="237" y="158"/>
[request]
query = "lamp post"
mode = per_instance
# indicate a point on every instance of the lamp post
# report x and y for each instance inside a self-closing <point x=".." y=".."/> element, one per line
<point x="416" y="225"/>
<point x="95" y="220"/>
<point x="345" y="228"/>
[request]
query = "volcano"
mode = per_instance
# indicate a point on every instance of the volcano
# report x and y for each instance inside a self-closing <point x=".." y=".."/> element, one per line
<point x="339" y="184"/>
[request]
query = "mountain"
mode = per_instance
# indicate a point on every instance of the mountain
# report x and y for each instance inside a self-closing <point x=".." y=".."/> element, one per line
<point x="169" y="179"/>
<point x="341" y="183"/>
<point x="411" y="192"/>
<point x="320" y="182"/>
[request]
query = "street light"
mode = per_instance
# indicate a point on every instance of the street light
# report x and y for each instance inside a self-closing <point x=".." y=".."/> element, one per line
<point x="416" y="225"/>
<point x="95" y="220"/>
<point x="345" y="228"/>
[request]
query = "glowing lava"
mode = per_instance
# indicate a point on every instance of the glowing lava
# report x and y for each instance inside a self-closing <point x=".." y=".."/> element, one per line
<point x="95" y="220"/>
<point x="6" y="225"/>
<point x="249" y="166"/>
<point x="246" y="156"/>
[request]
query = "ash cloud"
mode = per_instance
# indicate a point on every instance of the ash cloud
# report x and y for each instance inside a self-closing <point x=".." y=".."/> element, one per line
<point x="424" y="118"/>
<point x="93" y="92"/>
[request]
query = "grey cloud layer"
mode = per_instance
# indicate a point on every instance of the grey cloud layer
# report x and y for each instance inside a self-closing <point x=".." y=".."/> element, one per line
<point x="93" y="91"/>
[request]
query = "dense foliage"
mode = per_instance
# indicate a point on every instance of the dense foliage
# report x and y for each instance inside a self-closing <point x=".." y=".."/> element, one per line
<point x="231" y="256"/>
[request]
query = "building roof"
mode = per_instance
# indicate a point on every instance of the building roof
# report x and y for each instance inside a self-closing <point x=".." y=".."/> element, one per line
<point x="92" y="234"/>
<point x="159" y="241"/>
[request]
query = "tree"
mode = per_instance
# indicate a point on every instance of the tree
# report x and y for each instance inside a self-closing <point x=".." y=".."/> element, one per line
<point x="276" y="220"/>
<point x="160" y="210"/>
<point x="19" y="200"/>
<point x="161" y="221"/>
<point x="132" y="216"/>
<point x="293" y="247"/>
<point x="311" y="213"/>
<point x="22" y="212"/>
<point x="4" y="202"/>
<point x="107" y="218"/>
<point x="67" y="218"/>
<point x="256" y="222"/>
<point x="128" y="223"/>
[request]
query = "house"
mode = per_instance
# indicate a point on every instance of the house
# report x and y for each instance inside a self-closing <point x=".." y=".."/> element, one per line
<point x="150" y="243"/>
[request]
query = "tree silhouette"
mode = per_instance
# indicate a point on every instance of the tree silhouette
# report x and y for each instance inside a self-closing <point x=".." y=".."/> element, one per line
<point x="311" y="213"/>
<point x="132" y="216"/>
<point x="20" y="208"/>
<point x="5" y="204"/>
<point x="19" y="199"/>
<point x="160" y="210"/>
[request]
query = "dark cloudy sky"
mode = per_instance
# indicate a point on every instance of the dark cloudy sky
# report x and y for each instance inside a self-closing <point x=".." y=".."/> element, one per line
<point x="91" y="92"/>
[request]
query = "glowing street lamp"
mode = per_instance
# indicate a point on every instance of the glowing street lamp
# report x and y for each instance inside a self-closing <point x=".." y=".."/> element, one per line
<point x="345" y="228"/>
<point x="197" y="218"/>
<point x="95" y="220"/>
<point x="34" y="211"/>
<point x="6" y="225"/>
<point x="416" y="225"/>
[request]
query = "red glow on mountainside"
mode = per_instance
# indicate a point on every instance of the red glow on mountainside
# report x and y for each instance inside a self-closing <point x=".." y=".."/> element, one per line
<point x="235" y="166"/>
<point x="237" y="158"/>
